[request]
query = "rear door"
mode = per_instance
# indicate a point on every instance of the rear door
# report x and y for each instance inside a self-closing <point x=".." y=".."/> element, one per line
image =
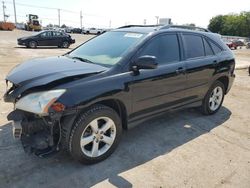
<point x="57" y="38"/>
<point x="200" y="64"/>
<point x="163" y="87"/>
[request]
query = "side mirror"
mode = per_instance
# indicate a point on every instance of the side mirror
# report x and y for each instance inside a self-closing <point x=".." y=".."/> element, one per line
<point x="145" y="62"/>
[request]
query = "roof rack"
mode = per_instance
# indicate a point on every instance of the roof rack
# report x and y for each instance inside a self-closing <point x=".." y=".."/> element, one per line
<point x="185" y="27"/>
<point x="127" y="26"/>
<point x="160" y="27"/>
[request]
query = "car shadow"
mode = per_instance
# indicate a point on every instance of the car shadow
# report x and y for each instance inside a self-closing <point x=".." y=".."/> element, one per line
<point x="41" y="47"/>
<point x="141" y="144"/>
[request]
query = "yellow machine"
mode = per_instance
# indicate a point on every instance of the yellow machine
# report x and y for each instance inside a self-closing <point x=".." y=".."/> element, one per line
<point x="33" y="23"/>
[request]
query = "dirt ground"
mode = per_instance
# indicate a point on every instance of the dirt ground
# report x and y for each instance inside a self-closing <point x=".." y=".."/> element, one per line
<point x="178" y="149"/>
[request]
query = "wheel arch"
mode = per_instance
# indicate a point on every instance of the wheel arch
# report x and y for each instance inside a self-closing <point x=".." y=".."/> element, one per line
<point x="225" y="81"/>
<point x="119" y="107"/>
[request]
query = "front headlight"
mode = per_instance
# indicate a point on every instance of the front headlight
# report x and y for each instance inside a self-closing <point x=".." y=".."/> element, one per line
<point x="39" y="102"/>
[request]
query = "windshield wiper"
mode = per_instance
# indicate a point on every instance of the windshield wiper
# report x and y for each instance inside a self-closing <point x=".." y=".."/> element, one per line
<point x="82" y="59"/>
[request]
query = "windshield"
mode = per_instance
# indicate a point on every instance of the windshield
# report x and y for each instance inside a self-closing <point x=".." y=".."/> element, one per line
<point x="108" y="48"/>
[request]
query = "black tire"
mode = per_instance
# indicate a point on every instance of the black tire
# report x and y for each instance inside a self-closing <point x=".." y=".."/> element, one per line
<point x="32" y="44"/>
<point x="65" y="44"/>
<point x="205" y="108"/>
<point x="82" y="123"/>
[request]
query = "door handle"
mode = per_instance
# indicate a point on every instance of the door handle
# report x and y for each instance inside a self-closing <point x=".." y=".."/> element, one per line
<point x="180" y="70"/>
<point x="215" y="63"/>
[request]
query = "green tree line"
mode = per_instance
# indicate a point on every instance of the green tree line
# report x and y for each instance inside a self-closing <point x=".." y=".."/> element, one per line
<point x="231" y="24"/>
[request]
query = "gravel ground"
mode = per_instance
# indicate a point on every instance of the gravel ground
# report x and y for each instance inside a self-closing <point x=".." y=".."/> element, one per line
<point x="178" y="149"/>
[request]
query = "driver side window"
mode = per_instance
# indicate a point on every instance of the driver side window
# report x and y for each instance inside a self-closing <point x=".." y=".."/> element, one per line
<point x="46" y="34"/>
<point x="164" y="47"/>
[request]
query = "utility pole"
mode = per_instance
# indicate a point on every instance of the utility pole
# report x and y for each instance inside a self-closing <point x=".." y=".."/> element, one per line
<point x="59" y="17"/>
<point x="14" y="5"/>
<point x="157" y="20"/>
<point x="81" y="19"/>
<point x="145" y="21"/>
<point x="4" y="16"/>
<point x="110" y="23"/>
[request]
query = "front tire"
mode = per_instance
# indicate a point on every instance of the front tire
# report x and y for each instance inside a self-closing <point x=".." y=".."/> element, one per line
<point x="95" y="134"/>
<point x="32" y="44"/>
<point x="213" y="99"/>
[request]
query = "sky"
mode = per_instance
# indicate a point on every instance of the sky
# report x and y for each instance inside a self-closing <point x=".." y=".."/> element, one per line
<point x="115" y="13"/>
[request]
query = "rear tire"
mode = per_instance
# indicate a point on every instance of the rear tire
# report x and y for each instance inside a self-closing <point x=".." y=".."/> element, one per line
<point x="95" y="134"/>
<point x="65" y="44"/>
<point x="213" y="99"/>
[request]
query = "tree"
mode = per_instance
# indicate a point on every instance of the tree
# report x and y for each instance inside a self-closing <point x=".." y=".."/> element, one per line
<point x="231" y="24"/>
<point x="216" y="24"/>
<point x="63" y="26"/>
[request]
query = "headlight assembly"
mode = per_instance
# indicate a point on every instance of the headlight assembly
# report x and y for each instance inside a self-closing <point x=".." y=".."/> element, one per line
<point x="39" y="102"/>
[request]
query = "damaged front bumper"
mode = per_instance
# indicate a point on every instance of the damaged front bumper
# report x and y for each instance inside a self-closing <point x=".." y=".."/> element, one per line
<point x="39" y="135"/>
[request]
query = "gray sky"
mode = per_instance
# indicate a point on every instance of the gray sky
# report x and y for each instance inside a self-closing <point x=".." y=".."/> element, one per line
<point x="99" y="13"/>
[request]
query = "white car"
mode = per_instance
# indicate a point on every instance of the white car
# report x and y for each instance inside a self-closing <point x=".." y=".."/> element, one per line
<point x="94" y="31"/>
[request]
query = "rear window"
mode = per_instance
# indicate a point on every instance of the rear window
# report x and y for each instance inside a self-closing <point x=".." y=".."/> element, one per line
<point x="215" y="47"/>
<point x="208" y="49"/>
<point x="193" y="46"/>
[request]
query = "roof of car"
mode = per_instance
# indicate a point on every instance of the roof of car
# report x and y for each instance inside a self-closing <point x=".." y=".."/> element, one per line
<point x="151" y="28"/>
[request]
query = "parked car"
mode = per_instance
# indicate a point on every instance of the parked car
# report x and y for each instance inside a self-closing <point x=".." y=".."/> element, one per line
<point x="248" y="45"/>
<point x="68" y="29"/>
<point x="47" y="38"/>
<point x="234" y="44"/>
<point x="93" y="31"/>
<point x="231" y="45"/>
<point x="238" y="43"/>
<point x="76" y="30"/>
<point x="82" y="101"/>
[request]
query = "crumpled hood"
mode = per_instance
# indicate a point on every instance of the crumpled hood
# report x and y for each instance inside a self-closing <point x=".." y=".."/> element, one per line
<point x="46" y="70"/>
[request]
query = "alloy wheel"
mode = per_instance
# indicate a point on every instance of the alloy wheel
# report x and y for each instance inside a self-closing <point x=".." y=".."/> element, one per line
<point x="98" y="137"/>
<point x="215" y="98"/>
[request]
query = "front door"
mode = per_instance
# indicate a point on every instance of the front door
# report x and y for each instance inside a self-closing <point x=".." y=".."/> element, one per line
<point x="46" y="39"/>
<point x="163" y="87"/>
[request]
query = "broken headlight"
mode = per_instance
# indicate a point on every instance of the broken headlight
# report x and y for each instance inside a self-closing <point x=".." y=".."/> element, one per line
<point x="39" y="102"/>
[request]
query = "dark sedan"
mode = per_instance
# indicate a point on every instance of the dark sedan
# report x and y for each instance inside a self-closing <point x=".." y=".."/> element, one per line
<point x="47" y="38"/>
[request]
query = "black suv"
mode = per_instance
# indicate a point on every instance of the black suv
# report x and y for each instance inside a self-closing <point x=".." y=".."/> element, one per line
<point x="47" y="38"/>
<point x="81" y="101"/>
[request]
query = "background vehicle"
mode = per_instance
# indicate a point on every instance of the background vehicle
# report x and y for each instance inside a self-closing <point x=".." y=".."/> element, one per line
<point x="238" y="43"/>
<point x="248" y="45"/>
<point x="47" y="38"/>
<point x="93" y="31"/>
<point x="33" y="23"/>
<point x="7" y="26"/>
<point x="231" y="45"/>
<point x="76" y="30"/>
<point x="83" y="100"/>
<point x="234" y="44"/>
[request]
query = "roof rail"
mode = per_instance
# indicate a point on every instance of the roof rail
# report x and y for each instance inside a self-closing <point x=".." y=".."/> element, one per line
<point x="185" y="27"/>
<point x="127" y="26"/>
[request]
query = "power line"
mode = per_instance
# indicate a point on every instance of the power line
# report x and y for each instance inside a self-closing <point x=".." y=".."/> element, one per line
<point x="43" y="7"/>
